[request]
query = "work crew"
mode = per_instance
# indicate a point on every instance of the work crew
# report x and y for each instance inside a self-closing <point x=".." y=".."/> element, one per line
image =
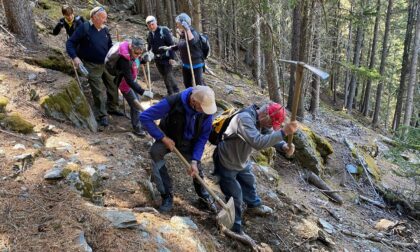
<point x="69" y="21"/>
<point x="231" y="157"/>
<point x="158" y="37"/>
<point x="125" y="60"/>
<point x="88" y="47"/>
<point x="186" y="120"/>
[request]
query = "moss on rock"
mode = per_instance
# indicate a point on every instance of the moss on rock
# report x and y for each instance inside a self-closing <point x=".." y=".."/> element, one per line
<point x="88" y="179"/>
<point x="312" y="150"/>
<point x="3" y="103"/>
<point x="70" y="104"/>
<point x="15" y="122"/>
<point x="265" y="157"/>
<point x="55" y="61"/>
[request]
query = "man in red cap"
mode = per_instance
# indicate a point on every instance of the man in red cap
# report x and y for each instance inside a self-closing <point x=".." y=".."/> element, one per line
<point x="249" y="129"/>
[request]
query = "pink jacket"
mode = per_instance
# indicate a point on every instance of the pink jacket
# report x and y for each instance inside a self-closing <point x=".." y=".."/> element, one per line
<point x="124" y="51"/>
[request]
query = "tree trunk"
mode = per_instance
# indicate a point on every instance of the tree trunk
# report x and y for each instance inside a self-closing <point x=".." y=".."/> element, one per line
<point x="303" y="56"/>
<point x="220" y="41"/>
<point x="20" y="20"/>
<point x="382" y="65"/>
<point x="313" y="109"/>
<point x="413" y="68"/>
<point x="257" y="51"/>
<point x="235" y="36"/>
<point x="348" y="60"/>
<point x="356" y="62"/>
<point x="404" y="66"/>
<point x="294" y="51"/>
<point x="271" y="65"/>
<point x="171" y="19"/>
<point x="366" y="98"/>
<point x="196" y="15"/>
<point x="334" y="62"/>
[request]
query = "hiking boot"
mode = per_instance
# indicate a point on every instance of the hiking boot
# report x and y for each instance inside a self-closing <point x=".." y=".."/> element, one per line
<point x="167" y="203"/>
<point x="209" y="204"/>
<point x="139" y="132"/>
<point x="103" y="121"/>
<point x="237" y="228"/>
<point x="116" y="112"/>
<point x="260" y="210"/>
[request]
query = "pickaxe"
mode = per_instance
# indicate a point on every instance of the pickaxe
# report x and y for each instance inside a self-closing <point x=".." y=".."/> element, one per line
<point x="298" y="85"/>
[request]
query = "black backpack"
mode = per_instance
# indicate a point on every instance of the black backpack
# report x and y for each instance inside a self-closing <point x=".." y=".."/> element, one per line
<point x="205" y="45"/>
<point x="220" y="124"/>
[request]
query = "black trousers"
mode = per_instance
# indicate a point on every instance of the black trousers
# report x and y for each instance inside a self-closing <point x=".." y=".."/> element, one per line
<point x="165" y="69"/>
<point x="198" y="74"/>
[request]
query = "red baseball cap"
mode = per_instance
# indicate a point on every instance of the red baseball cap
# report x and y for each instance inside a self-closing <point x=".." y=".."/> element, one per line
<point x="277" y="115"/>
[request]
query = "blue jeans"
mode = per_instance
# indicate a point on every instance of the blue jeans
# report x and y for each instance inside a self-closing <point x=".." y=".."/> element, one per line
<point x="237" y="184"/>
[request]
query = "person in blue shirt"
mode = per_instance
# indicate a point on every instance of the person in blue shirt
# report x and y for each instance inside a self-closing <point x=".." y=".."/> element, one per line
<point x="88" y="46"/>
<point x="69" y="21"/>
<point x="186" y="120"/>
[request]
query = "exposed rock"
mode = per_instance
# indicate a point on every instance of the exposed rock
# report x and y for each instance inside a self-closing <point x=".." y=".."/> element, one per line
<point x="265" y="157"/>
<point x="19" y="147"/>
<point x="70" y="103"/>
<point x="384" y="225"/>
<point x="55" y="60"/>
<point x="16" y="123"/>
<point x="311" y="149"/>
<point x="183" y="222"/>
<point x="25" y="156"/>
<point x="56" y="143"/>
<point x="82" y="244"/>
<point x="54" y="173"/>
<point x="84" y="179"/>
<point x="2" y="153"/>
<point x="326" y="226"/>
<point x="120" y="218"/>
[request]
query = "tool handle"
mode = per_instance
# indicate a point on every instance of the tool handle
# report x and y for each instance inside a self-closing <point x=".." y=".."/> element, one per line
<point x="148" y="76"/>
<point x="296" y="96"/>
<point x="189" y="57"/>
<point x="202" y="182"/>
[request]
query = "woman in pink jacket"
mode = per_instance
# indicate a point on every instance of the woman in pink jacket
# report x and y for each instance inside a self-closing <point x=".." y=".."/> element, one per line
<point x="123" y="61"/>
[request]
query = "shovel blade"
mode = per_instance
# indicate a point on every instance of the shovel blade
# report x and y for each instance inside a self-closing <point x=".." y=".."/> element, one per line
<point x="226" y="216"/>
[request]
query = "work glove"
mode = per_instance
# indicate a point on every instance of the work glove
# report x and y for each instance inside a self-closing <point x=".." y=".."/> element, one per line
<point x="289" y="150"/>
<point x="148" y="94"/>
<point x="185" y="25"/>
<point x="148" y="56"/>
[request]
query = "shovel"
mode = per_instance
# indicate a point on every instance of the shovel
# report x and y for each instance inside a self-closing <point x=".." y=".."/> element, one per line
<point x="226" y="216"/>
<point x="189" y="57"/>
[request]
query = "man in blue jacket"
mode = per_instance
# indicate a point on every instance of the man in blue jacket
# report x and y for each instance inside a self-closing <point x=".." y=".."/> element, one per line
<point x="88" y="46"/>
<point x="158" y="37"/>
<point x="186" y="120"/>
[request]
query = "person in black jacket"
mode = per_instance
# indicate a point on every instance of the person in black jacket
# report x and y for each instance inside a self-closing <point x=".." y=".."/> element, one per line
<point x="158" y="37"/>
<point x="183" y="23"/>
<point x="88" y="46"/>
<point x="69" y="21"/>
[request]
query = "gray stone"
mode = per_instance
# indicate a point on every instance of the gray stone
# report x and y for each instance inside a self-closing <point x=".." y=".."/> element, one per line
<point x="54" y="173"/>
<point x="351" y="168"/>
<point x="2" y="153"/>
<point x="24" y="156"/>
<point x="160" y="239"/>
<point x="229" y="89"/>
<point x="19" y="147"/>
<point x="120" y="218"/>
<point x="102" y="168"/>
<point x="145" y="234"/>
<point x="82" y="244"/>
<point x="183" y="222"/>
<point x="32" y="76"/>
<point x="326" y="226"/>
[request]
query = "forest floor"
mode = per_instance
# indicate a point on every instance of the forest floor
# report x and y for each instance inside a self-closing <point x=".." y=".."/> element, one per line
<point x="38" y="215"/>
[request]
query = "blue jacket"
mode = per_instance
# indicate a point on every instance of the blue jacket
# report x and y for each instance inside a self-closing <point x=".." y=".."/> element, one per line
<point x="161" y="110"/>
<point x="91" y="46"/>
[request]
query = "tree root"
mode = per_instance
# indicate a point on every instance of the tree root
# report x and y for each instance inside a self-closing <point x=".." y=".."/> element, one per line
<point x="374" y="238"/>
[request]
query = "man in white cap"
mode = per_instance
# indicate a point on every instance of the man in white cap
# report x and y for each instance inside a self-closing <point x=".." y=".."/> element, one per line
<point x="158" y="38"/>
<point x="185" y="122"/>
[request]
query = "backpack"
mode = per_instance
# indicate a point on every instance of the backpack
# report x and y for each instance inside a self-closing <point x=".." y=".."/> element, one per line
<point x="220" y="124"/>
<point x="111" y="59"/>
<point x="205" y="45"/>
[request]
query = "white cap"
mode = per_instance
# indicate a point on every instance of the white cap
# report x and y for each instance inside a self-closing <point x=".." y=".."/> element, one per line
<point x="205" y="96"/>
<point x="150" y="19"/>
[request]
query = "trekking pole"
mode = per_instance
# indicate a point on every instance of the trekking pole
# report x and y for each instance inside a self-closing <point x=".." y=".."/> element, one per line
<point x="119" y="92"/>
<point x="189" y="57"/>
<point x="150" y="80"/>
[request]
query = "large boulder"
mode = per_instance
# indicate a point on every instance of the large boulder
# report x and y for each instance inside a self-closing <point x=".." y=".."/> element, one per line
<point x="312" y="150"/>
<point x="69" y="103"/>
<point x="54" y="59"/>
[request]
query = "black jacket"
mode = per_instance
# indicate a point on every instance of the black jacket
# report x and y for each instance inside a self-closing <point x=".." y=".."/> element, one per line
<point x="197" y="56"/>
<point x="161" y="37"/>
<point x="123" y="67"/>
<point x="78" y="21"/>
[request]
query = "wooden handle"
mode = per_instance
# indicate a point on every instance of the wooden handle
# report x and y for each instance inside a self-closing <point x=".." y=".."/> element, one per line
<point x="202" y="182"/>
<point x="296" y="96"/>
<point x="189" y="57"/>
